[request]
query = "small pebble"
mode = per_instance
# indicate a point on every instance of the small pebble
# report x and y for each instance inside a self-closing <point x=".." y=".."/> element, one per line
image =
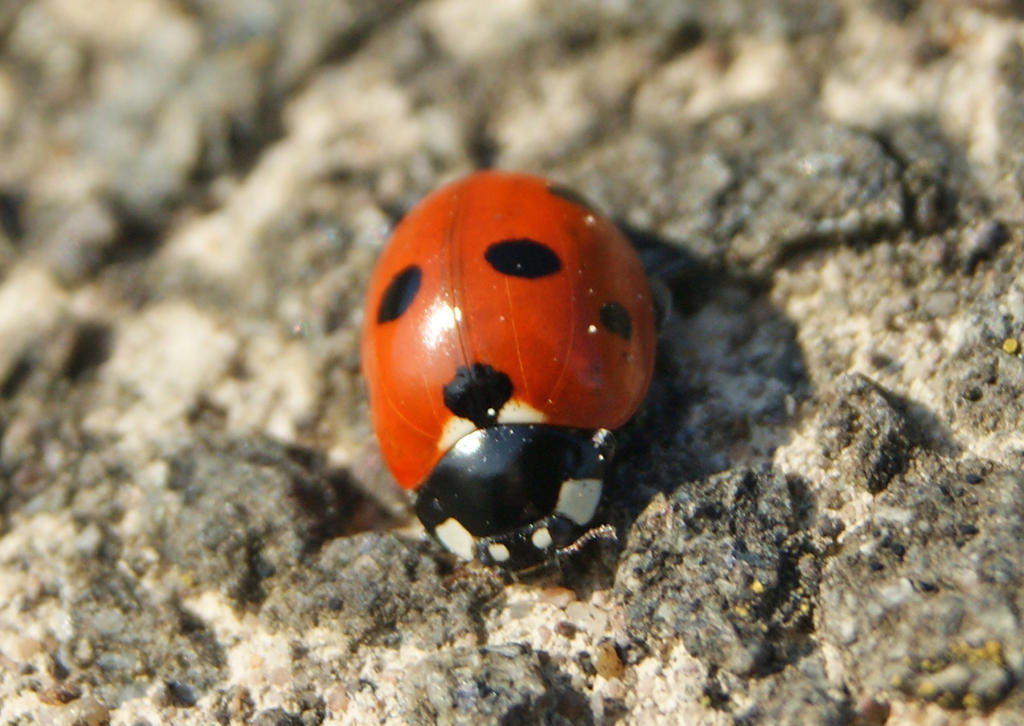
<point x="60" y="694"/>
<point x="565" y="629"/>
<point x="607" y="661"/>
<point x="558" y="596"/>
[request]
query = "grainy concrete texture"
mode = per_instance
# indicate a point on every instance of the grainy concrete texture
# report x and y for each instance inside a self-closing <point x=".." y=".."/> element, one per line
<point x="820" y="507"/>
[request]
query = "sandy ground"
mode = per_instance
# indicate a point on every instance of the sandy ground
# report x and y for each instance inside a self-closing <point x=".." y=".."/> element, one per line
<point x="820" y="507"/>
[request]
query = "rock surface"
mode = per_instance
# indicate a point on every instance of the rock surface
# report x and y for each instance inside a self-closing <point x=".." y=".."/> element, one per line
<point x="820" y="506"/>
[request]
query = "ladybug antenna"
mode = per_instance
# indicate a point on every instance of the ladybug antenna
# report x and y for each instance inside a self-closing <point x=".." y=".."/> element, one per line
<point x="602" y="531"/>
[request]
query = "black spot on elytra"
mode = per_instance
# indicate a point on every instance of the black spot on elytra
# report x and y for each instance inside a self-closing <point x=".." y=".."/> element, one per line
<point x="615" y="319"/>
<point x="571" y="195"/>
<point x="523" y="258"/>
<point x="477" y="393"/>
<point x="399" y="294"/>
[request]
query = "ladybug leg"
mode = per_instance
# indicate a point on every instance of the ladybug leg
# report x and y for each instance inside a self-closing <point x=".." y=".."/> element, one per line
<point x="661" y="295"/>
<point x="475" y="572"/>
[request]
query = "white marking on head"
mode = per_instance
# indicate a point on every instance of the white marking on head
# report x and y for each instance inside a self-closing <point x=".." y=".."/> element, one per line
<point x="454" y="429"/>
<point x="498" y="552"/>
<point x="520" y="412"/>
<point x="541" y="538"/>
<point x="469" y="445"/>
<point x="578" y="499"/>
<point x="456" y="538"/>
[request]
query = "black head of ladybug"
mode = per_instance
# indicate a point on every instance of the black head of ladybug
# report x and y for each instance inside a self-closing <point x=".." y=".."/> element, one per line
<point x="515" y="495"/>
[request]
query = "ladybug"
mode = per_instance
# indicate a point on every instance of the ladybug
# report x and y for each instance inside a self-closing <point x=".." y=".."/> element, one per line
<point x="509" y="327"/>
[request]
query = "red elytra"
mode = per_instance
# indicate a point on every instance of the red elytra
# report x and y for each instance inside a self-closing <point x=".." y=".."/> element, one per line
<point x="507" y="273"/>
